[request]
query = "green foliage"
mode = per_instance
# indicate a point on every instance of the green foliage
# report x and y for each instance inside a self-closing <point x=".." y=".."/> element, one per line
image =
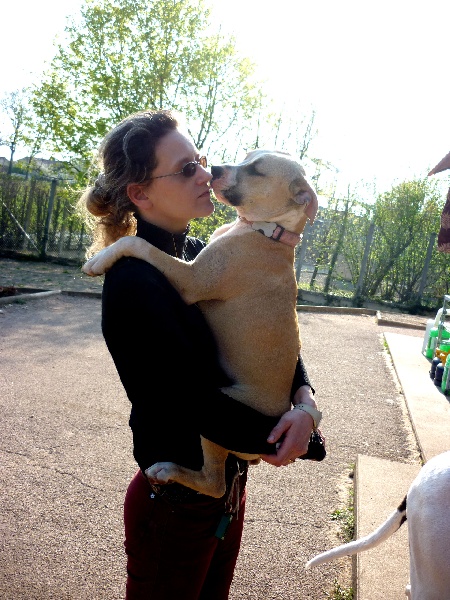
<point x="24" y="203"/>
<point x="15" y="107"/>
<point x="203" y="228"/>
<point x="405" y="218"/>
<point x="24" y="210"/>
<point x="340" y="593"/>
<point x="130" y="55"/>
<point x="346" y="516"/>
<point x="328" y="236"/>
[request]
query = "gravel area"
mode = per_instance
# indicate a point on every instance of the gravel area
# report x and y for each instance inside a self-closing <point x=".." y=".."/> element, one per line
<point x="46" y="276"/>
<point x="52" y="276"/>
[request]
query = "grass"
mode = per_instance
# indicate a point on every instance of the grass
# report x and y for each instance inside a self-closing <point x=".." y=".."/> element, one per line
<point x="346" y="520"/>
<point x="334" y="292"/>
<point x="340" y="593"/>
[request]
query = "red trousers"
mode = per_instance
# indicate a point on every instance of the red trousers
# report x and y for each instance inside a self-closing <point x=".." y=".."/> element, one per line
<point x="172" y="552"/>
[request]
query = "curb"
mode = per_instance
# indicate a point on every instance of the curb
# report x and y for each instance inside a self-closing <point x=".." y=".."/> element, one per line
<point x="83" y="294"/>
<point x="17" y="298"/>
<point x="20" y="297"/>
<point x="349" y="310"/>
<point x="379" y="317"/>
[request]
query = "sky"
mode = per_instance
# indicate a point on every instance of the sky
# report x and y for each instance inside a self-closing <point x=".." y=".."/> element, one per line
<point x="375" y="73"/>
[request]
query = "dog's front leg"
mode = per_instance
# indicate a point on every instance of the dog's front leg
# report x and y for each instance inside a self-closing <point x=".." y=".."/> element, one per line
<point x="210" y="480"/>
<point x="178" y="272"/>
<point x="101" y="262"/>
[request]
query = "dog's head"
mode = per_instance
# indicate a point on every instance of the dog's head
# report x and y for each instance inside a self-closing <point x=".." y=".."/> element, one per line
<point x="267" y="186"/>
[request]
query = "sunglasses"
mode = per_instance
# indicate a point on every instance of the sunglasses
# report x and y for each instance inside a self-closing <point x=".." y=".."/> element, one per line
<point x="189" y="168"/>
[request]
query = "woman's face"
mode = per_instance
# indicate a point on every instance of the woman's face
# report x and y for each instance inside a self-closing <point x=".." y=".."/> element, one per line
<point x="176" y="199"/>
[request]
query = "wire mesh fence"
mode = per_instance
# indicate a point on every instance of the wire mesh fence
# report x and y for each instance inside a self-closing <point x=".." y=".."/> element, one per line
<point x="337" y="256"/>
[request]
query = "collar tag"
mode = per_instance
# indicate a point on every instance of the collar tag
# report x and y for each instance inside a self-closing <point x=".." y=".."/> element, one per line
<point x="274" y="231"/>
<point x="264" y="227"/>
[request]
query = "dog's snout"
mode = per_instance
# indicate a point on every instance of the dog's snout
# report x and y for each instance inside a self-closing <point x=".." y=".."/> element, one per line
<point x="216" y="172"/>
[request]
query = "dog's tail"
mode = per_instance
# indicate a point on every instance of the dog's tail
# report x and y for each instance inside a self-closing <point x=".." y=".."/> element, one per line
<point x="384" y="531"/>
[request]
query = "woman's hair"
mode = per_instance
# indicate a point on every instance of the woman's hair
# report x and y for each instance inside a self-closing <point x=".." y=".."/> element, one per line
<point x="126" y="155"/>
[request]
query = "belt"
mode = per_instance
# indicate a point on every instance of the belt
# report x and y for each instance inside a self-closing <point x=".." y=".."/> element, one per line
<point x="177" y="493"/>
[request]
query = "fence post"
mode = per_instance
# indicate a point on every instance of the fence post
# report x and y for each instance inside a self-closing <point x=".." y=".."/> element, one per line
<point x="301" y="256"/>
<point x="365" y="260"/>
<point x="51" y="202"/>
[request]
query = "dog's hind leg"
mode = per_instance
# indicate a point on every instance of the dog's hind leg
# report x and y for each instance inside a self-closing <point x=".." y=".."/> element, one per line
<point x="210" y="480"/>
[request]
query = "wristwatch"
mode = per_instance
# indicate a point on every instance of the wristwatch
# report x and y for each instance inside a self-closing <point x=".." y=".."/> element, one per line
<point x="315" y="414"/>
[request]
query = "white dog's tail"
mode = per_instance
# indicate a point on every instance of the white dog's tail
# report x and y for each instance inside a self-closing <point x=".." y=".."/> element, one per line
<point x="384" y="531"/>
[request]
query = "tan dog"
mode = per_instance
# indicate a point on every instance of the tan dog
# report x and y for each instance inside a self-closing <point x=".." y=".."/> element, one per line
<point x="245" y="285"/>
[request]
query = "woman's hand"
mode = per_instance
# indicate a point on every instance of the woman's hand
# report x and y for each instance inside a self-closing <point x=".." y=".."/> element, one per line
<point x="294" y="430"/>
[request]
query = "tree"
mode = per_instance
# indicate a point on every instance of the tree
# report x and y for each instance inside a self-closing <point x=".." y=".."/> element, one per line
<point x="15" y="107"/>
<point x="404" y="219"/>
<point x="129" y="55"/>
<point x="342" y="226"/>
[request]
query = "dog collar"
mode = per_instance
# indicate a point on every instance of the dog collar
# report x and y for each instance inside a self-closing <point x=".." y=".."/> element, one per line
<point x="274" y="231"/>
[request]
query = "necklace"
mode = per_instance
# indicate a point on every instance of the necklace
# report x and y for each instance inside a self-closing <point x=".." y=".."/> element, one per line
<point x="175" y="246"/>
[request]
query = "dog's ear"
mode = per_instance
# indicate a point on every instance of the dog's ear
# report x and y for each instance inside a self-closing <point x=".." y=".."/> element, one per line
<point x="305" y="196"/>
<point x="312" y="208"/>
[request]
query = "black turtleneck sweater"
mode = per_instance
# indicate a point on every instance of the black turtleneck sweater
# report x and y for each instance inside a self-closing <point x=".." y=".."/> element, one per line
<point x="167" y="360"/>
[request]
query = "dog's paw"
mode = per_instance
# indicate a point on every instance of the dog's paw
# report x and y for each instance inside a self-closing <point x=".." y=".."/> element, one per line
<point x="88" y="268"/>
<point x="101" y="262"/>
<point x="159" y="473"/>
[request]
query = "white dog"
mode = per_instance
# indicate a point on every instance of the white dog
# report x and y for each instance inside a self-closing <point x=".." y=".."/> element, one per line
<point x="427" y="508"/>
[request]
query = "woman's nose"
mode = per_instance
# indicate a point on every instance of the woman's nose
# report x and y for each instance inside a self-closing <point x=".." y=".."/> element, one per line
<point x="205" y="174"/>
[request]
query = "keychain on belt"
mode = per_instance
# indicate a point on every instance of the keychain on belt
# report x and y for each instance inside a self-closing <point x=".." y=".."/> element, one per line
<point x="231" y="507"/>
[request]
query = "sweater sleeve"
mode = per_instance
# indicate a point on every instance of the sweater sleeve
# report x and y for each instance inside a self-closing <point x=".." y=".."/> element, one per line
<point x="235" y="425"/>
<point x="238" y="427"/>
<point x="300" y="377"/>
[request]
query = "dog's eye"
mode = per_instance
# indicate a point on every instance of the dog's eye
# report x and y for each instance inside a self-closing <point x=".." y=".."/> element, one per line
<point x="252" y="169"/>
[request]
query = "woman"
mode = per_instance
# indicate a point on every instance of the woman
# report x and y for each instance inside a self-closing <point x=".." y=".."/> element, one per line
<point x="180" y="544"/>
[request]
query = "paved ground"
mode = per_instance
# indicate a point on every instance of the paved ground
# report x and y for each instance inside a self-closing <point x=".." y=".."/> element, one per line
<point x="66" y="452"/>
